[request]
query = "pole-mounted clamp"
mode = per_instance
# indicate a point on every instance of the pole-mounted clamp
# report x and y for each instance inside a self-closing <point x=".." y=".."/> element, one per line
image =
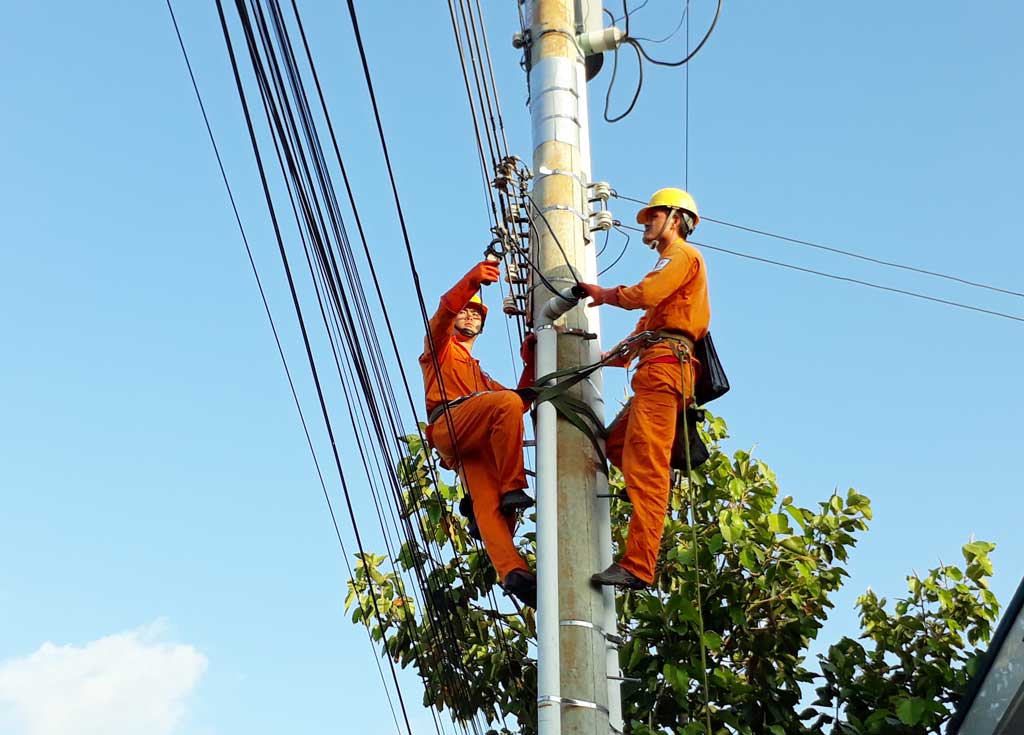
<point x="568" y="702"/>
<point x="579" y="333"/>
<point x="610" y="637"/>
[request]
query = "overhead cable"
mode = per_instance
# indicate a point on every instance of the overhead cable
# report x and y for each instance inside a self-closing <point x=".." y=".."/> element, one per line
<point x="847" y="253"/>
<point x="696" y="49"/>
<point x="280" y="349"/>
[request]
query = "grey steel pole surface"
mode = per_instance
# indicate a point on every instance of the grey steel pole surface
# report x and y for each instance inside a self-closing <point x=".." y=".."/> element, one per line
<point x="572" y="678"/>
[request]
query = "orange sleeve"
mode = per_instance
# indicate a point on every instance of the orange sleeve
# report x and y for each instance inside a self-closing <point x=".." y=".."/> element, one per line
<point x="675" y="268"/>
<point x="493" y="384"/>
<point x="440" y="331"/>
<point x="441" y="323"/>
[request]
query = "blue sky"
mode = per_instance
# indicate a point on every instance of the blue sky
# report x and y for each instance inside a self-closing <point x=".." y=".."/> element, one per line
<point x="159" y="504"/>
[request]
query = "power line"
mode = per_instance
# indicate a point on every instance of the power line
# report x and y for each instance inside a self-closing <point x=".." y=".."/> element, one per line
<point x="690" y="54"/>
<point x="847" y="253"/>
<point x="280" y="349"/>
<point x="625" y="246"/>
<point x="642" y="55"/>
<point x="869" y="259"/>
<point x="682" y="18"/>
<point x="848" y="279"/>
<point x="859" y="282"/>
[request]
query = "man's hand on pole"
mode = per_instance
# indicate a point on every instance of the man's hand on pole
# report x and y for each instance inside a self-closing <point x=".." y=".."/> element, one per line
<point x="600" y="295"/>
<point x="616" y="357"/>
<point x="528" y="350"/>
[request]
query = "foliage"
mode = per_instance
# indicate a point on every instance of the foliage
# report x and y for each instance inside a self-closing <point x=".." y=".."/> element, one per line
<point x="920" y="656"/>
<point x="767" y="568"/>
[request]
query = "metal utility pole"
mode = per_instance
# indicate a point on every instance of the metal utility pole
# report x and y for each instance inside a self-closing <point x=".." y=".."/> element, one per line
<point x="575" y="621"/>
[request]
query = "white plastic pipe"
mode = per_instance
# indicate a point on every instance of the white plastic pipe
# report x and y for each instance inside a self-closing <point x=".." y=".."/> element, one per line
<point x="593" y="393"/>
<point x="549" y="715"/>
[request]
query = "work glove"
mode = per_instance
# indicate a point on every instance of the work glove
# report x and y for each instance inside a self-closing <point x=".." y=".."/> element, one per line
<point x="528" y="350"/>
<point x="618" y="358"/>
<point x="460" y="294"/>
<point x="484" y="273"/>
<point x="600" y="295"/>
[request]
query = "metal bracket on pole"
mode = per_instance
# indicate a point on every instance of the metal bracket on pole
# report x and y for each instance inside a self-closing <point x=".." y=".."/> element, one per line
<point x="564" y="208"/>
<point x="612" y="638"/>
<point x="544" y="172"/>
<point x="580" y="333"/>
<point x="567" y="702"/>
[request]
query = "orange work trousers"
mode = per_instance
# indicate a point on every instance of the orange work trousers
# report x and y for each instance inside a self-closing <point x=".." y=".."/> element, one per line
<point x="489" y="443"/>
<point x="640" y="444"/>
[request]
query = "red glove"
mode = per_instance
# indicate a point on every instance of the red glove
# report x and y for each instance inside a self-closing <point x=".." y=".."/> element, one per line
<point x="620" y="361"/>
<point x="601" y="295"/>
<point x="528" y="350"/>
<point x="460" y="294"/>
<point x="484" y="273"/>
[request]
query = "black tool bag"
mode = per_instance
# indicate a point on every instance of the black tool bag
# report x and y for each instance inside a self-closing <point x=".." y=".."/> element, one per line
<point x="712" y="381"/>
<point x="698" y="452"/>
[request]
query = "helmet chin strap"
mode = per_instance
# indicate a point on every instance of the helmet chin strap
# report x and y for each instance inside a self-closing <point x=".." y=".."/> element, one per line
<point x="653" y="244"/>
<point x="466" y="332"/>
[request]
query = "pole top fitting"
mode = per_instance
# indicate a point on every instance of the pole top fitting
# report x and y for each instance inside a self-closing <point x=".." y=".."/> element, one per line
<point x="597" y="42"/>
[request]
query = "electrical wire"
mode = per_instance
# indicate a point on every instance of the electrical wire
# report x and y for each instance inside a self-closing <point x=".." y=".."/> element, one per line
<point x="686" y="102"/>
<point x="642" y="55"/>
<point x="554" y="235"/>
<point x="847" y="253"/>
<point x="611" y="83"/>
<point x="289" y="137"/>
<point x="691" y="54"/>
<point x="619" y="257"/>
<point x="627" y="12"/>
<point x="857" y="281"/>
<point x="304" y="331"/>
<point x="867" y="258"/>
<point x="353" y="16"/>
<point x="682" y="18"/>
<point x="277" y="341"/>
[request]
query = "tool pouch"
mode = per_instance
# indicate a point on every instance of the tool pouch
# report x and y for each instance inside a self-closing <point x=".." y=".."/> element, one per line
<point x="712" y="381"/>
<point x="698" y="452"/>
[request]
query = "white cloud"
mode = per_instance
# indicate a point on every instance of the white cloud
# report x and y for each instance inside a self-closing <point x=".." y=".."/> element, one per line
<point x="131" y="683"/>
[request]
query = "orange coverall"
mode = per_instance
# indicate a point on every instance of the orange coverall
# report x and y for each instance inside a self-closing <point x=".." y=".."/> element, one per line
<point x="487" y="448"/>
<point x="675" y="297"/>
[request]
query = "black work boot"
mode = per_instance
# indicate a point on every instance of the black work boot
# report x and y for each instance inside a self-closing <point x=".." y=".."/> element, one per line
<point x="523" y="585"/>
<point x="619" y="577"/>
<point x="515" y="500"/>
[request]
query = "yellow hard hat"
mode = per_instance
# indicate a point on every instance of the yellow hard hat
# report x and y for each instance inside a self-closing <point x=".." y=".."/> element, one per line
<point x="674" y="198"/>
<point x="477" y="303"/>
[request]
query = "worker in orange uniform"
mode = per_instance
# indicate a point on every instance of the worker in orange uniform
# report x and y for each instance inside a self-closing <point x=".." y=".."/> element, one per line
<point x="476" y="425"/>
<point x="674" y="297"/>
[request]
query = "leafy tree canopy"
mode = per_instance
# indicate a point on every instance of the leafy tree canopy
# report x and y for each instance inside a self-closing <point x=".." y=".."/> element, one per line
<point x="767" y="569"/>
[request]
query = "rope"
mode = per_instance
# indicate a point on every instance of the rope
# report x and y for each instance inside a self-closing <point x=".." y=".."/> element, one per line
<point x="684" y="359"/>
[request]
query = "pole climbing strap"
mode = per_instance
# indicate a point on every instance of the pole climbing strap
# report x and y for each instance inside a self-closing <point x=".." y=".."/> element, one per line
<point x="578" y="412"/>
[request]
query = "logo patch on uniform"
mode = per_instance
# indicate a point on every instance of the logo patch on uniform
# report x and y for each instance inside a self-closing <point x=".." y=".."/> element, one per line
<point x="662" y="263"/>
